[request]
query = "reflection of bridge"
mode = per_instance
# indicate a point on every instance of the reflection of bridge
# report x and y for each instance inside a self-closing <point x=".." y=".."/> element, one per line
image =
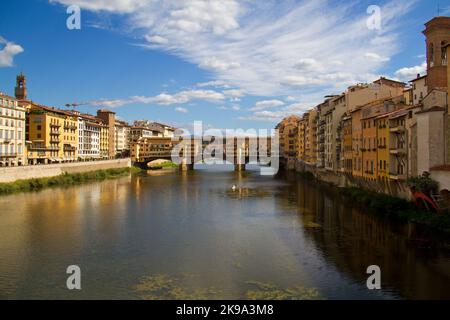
<point x="237" y="151"/>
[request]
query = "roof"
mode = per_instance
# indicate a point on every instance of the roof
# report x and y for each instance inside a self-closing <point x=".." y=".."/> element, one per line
<point x="7" y="96"/>
<point x="432" y="109"/>
<point x="106" y="111"/>
<point x="444" y="167"/>
<point x="419" y="78"/>
<point x="383" y="79"/>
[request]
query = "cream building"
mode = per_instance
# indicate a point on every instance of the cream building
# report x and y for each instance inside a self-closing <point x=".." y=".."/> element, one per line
<point x="89" y="137"/>
<point x="420" y="89"/>
<point x="12" y="132"/>
<point x="121" y="138"/>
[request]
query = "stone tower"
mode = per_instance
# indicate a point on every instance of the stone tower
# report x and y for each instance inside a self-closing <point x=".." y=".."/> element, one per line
<point x="437" y="33"/>
<point x="109" y="118"/>
<point x="21" y="87"/>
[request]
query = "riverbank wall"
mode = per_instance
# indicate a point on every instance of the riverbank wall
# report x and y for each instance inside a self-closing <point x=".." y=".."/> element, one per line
<point x="11" y="174"/>
<point x="397" y="189"/>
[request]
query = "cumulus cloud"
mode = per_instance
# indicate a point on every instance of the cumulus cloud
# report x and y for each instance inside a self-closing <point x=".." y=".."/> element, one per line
<point x="277" y="115"/>
<point x="181" y="110"/>
<point x="267" y="104"/>
<point x="8" y="50"/>
<point x="407" y="74"/>
<point x="376" y="57"/>
<point x="163" y="98"/>
<point x="116" y="6"/>
<point x="266" y="48"/>
<point x="212" y="63"/>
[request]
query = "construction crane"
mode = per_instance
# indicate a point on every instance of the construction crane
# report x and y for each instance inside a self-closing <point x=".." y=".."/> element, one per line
<point x="75" y="105"/>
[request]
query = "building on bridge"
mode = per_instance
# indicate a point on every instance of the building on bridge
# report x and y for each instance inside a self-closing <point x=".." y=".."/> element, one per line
<point x="151" y="148"/>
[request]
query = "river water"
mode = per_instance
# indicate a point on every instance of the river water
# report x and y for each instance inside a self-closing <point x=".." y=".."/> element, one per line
<point x="190" y="236"/>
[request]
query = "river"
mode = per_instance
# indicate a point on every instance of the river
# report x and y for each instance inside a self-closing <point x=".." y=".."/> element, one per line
<point x="190" y="236"/>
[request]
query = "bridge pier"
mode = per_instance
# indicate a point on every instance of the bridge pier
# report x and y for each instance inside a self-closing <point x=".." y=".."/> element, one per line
<point x="184" y="166"/>
<point x="239" y="167"/>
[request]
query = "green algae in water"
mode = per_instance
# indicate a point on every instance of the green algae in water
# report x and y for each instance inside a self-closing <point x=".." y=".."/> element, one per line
<point x="270" y="291"/>
<point x="164" y="287"/>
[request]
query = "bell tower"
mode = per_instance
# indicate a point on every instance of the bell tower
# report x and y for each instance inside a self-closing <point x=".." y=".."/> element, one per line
<point x="21" y="87"/>
<point x="437" y="38"/>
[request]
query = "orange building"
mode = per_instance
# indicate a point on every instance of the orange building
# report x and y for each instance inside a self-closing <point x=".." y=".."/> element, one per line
<point x="357" y="170"/>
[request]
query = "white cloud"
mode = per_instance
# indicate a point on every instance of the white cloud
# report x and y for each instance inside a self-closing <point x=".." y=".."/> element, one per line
<point x="163" y="98"/>
<point x="7" y="52"/>
<point x="234" y="93"/>
<point x="267" y="104"/>
<point x="156" y="39"/>
<point x="233" y="107"/>
<point x="266" y="48"/>
<point x="213" y="83"/>
<point x="215" y="64"/>
<point x="117" y="6"/>
<point x="407" y="74"/>
<point x="181" y="110"/>
<point x="376" y="57"/>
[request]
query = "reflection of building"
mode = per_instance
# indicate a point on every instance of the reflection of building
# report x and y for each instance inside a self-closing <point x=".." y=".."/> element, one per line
<point x="12" y="132"/>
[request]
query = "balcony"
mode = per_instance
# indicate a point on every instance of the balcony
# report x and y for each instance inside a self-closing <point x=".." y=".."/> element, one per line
<point x="70" y="127"/>
<point x="37" y="148"/>
<point x="69" y="148"/>
<point x="397" y="151"/>
<point x="8" y="155"/>
<point x="397" y="176"/>
<point x="54" y="140"/>
<point x="398" y="129"/>
<point x="55" y="125"/>
<point x="55" y="133"/>
<point x="6" y="141"/>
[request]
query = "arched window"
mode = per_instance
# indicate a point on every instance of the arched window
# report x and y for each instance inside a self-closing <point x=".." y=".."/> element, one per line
<point x="443" y="53"/>
<point x="431" y="55"/>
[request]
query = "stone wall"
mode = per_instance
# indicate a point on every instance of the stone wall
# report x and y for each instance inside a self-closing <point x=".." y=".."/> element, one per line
<point x="394" y="188"/>
<point x="11" y="174"/>
<point x="442" y="177"/>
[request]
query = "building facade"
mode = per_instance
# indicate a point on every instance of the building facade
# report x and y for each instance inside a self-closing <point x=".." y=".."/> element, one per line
<point x="12" y="132"/>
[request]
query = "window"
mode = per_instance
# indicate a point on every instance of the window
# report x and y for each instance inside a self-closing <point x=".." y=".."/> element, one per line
<point x="431" y="55"/>
<point x="443" y="54"/>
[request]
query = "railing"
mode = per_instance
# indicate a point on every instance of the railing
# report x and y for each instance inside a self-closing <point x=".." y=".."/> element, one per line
<point x="8" y="155"/>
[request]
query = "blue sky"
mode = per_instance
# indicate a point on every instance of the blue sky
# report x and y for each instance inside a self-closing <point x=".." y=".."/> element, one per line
<point x="229" y="63"/>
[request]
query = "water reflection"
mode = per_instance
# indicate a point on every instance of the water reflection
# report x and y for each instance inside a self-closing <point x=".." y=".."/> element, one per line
<point x="189" y="235"/>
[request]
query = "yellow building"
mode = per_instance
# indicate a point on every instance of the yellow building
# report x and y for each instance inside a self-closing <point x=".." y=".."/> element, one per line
<point x="369" y="148"/>
<point x="302" y="124"/>
<point x="51" y="134"/>
<point x="147" y="149"/>
<point x="356" y="142"/>
<point x="104" y="141"/>
<point x="347" y="144"/>
<point x="288" y="135"/>
<point x="311" y="138"/>
<point x="382" y="125"/>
